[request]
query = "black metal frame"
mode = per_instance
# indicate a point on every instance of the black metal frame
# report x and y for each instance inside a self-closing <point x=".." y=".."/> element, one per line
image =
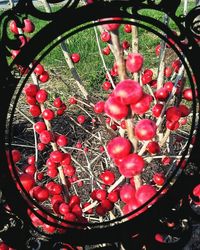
<point x="17" y="225"/>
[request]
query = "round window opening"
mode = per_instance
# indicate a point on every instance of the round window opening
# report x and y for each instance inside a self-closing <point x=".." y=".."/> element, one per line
<point x="101" y="124"/>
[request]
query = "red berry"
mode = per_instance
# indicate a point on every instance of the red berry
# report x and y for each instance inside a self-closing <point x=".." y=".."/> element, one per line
<point x="31" y="160"/>
<point x="153" y="147"/>
<point x="72" y="100"/>
<point x="34" y="110"/>
<point x="143" y="105"/>
<point x="128" y="91"/>
<point x="69" y="170"/>
<point x="115" y="109"/>
<point x="159" y="179"/>
<point x="41" y="96"/>
<point x="131" y="165"/>
<point x="106" y="86"/>
<point x="57" y="102"/>
<point x="106" y="51"/>
<point x="75" y="57"/>
<point x="162" y="94"/>
<point x="145" y="129"/>
<point x="16" y="155"/>
<point x="169" y="86"/>
<point x="134" y="62"/>
<point x="107" y="177"/>
<point x="127" y="28"/>
<point x="173" y="114"/>
<point x="41" y="146"/>
<point x="39" y="69"/>
<point x="99" y="107"/>
<point x="56" y="156"/>
<point x="168" y="72"/>
<point x="48" y="114"/>
<point x="44" y="77"/>
<point x="30" y="90"/>
<point x="125" y="44"/>
<point x="62" y="140"/>
<point x="45" y="137"/>
<point x="105" y="36"/>
<point x="27" y="181"/>
<point x="100" y="194"/>
<point x="107" y="204"/>
<point x="157" y="109"/>
<point x="127" y="193"/>
<point x="119" y="147"/>
<point x="31" y="100"/>
<point x="144" y="193"/>
<point x="113" y="196"/>
<point x="81" y="119"/>
<point x="39" y="127"/>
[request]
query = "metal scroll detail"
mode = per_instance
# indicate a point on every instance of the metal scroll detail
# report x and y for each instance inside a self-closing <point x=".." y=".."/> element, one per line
<point x="174" y="206"/>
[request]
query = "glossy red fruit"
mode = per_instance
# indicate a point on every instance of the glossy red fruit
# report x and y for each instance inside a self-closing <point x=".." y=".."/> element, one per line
<point x="41" y="146"/>
<point x="105" y="36"/>
<point x="66" y="159"/>
<point x="187" y="94"/>
<point x="176" y="65"/>
<point x="185" y="111"/>
<point x="64" y="208"/>
<point x="48" y="114"/>
<point x="162" y="94"/>
<point x="115" y="109"/>
<point x="31" y="100"/>
<point x="107" y="204"/>
<point x="74" y="200"/>
<point x="56" y="156"/>
<point x="173" y="114"/>
<point x="196" y="192"/>
<point x="169" y="86"/>
<point x="69" y="170"/>
<point x="39" y="69"/>
<point x="44" y="77"/>
<point x="52" y="172"/>
<point x="30" y="89"/>
<point x="57" y="102"/>
<point x="100" y="210"/>
<point x="39" y="127"/>
<point x="31" y="169"/>
<point x="81" y="119"/>
<point x="16" y="155"/>
<point x="131" y="165"/>
<point x="157" y="109"/>
<point x="99" y="107"/>
<point x="134" y="62"/>
<point x="106" y="51"/>
<point x="127" y="28"/>
<point x="113" y="196"/>
<point x="159" y="179"/>
<point x="40" y="193"/>
<point x="125" y="44"/>
<point x="27" y="181"/>
<point x="75" y="57"/>
<point x="157" y="50"/>
<point x="31" y="160"/>
<point x="35" y="110"/>
<point x="144" y="193"/>
<point x="29" y="27"/>
<point x="167" y="72"/>
<point x="128" y="91"/>
<point x="100" y="194"/>
<point x="159" y="237"/>
<point x="172" y="125"/>
<point x="131" y="206"/>
<point x="41" y="95"/>
<point x="106" y="85"/>
<point x="119" y="147"/>
<point x="108" y="177"/>
<point x="111" y="26"/>
<point x="153" y="147"/>
<point x="143" y="105"/>
<point x="45" y="137"/>
<point x="146" y="78"/>
<point x="62" y="140"/>
<point x="127" y="193"/>
<point x="145" y="129"/>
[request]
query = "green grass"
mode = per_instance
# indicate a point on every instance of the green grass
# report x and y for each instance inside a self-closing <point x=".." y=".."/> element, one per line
<point x="90" y="67"/>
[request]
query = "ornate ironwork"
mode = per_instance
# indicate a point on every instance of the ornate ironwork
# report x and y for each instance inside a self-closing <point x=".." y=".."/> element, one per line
<point x="174" y="206"/>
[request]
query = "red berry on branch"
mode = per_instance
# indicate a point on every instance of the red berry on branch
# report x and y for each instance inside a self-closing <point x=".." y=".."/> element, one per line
<point x="48" y="114"/>
<point x="118" y="147"/>
<point x="75" y="57"/>
<point x="45" y="137"/>
<point x="30" y="90"/>
<point x="56" y="156"/>
<point x="39" y="69"/>
<point x="29" y="27"/>
<point x="134" y="62"/>
<point x="39" y="127"/>
<point x="105" y="36"/>
<point x="145" y="129"/>
<point x="99" y="107"/>
<point x="35" y="110"/>
<point x="111" y="26"/>
<point x="127" y="28"/>
<point x="41" y="95"/>
<point x="106" y="85"/>
<point x="44" y="77"/>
